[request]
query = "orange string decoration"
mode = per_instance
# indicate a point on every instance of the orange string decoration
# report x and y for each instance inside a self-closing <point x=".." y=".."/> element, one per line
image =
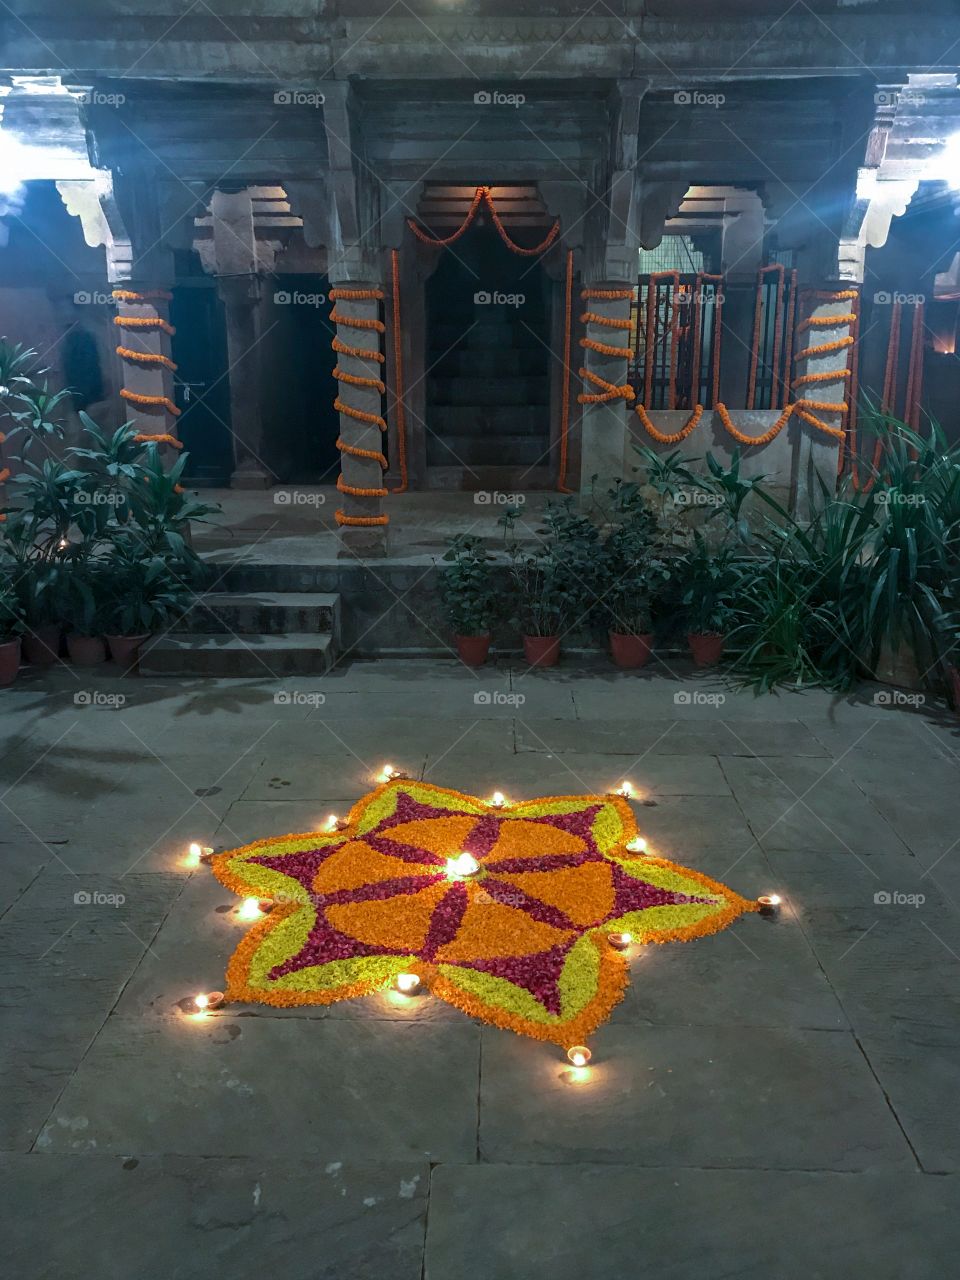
<point x="145" y="295"/>
<point x="150" y="402"/>
<point x="144" y="322"/>
<point x="565" y="392"/>
<point x="146" y="357"/>
<point x="369" y="419"/>
<point x="484" y="196"/>
<point x="163" y="437"/>
<point x="609" y="390"/>
<point x="398" y="374"/>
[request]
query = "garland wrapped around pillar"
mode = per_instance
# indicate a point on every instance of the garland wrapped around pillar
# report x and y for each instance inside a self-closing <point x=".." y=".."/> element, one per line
<point x="361" y="519"/>
<point x="144" y="350"/>
<point x="606" y="344"/>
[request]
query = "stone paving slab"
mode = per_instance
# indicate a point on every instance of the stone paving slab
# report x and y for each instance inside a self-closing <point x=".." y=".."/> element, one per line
<point x="511" y="1222"/>
<point x="333" y="1089"/>
<point x="696" y="1097"/>
<point x="669" y="736"/>
<point x="213" y="1219"/>
<point x="804" y="803"/>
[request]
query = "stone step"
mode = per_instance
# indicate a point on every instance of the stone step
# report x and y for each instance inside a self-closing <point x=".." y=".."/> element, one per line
<point x="486" y="390"/>
<point x="480" y="451"/>
<point x="492" y="364"/>
<point x="264" y="577"/>
<point x="482" y="420"/>
<point x="303" y="653"/>
<point x="264" y="613"/>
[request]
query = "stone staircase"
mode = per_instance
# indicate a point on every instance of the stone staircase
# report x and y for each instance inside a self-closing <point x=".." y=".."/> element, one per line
<point x="262" y="625"/>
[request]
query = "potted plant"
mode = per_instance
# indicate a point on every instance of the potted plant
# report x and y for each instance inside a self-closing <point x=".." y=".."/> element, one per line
<point x="631" y="574"/>
<point x="142" y="594"/>
<point x="11" y="625"/>
<point x="81" y="603"/>
<point x="469" y="598"/>
<point x="710" y="578"/>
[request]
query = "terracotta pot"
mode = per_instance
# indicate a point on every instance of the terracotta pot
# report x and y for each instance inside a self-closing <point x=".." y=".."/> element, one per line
<point x="125" y="650"/>
<point x="953" y="686"/>
<point x="630" y="651"/>
<point x="41" y="646"/>
<point x="706" y="647"/>
<point x="9" y="661"/>
<point x="86" y="651"/>
<point x="542" y="651"/>
<point x="473" y="650"/>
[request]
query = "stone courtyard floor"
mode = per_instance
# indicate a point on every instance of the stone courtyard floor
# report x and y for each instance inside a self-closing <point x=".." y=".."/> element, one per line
<point x="779" y="1100"/>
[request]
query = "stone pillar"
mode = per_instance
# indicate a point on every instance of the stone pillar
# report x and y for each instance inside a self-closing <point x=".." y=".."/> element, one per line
<point x="817" y="450"/>
<point x="241" y="301"/>
<point x="360" y="516"/>
<point x="143" y="345"/>
<point x="604" y="432"/>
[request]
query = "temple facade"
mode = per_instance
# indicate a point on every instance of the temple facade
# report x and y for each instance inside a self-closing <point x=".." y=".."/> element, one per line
<point x="485" y="247"/>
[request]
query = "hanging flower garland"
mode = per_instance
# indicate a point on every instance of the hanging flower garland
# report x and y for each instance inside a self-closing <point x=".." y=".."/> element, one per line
<point x="484" y="196"/>
<point x="150" y="402"/>
<point x="662" y="437"/>
<point x="159" y="438"/>
<point x="144" y="322"/>
<point x="359" y="415"/>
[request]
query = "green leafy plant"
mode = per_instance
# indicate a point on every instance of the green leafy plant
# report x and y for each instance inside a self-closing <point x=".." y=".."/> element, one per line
<point x="632" y="572"/>
<point x="470" y="597"/>
<point x="710" y="583"/>
<point x="141" y="594"/>
<point x="11" y="612"/>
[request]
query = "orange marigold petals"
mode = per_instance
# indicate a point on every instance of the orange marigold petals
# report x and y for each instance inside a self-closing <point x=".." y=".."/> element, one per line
<point x="662" y="437"/>
<point x="767" y="436"/>
<point x="824" y="348"/>
<point x="829" y="375"/>
<point x="144" y="322"/>
<point x="356" y="295"/>
<point x="826" y="322"/>
<point x="373" y="419"/>
<point x="159" y="438"/>
<point x="356" y="452"/>
<point x="342" y="518"/>
<point x="610" y="390"/>
<point x="592" y="317"/>
<point x="359" y="493"/>
<point x="145" y="357"/>
<point x="150" y="402"/>
<point x="604" y="349"/>
<point x="147" y="295"/>
<point x="4" y="474"/>
<point x="612" y="295"/>
<point x="373" y="325"/>
<point x="355" y="381"/>
<point x="358" y="353"/>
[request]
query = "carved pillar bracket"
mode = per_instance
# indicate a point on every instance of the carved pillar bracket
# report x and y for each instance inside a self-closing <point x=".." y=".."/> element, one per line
<point x="360" y="516"/>
<point x="604" y="432"/>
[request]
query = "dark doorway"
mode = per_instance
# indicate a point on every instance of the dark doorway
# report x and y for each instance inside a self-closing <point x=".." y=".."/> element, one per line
<point x="300" y="425"/>
<point x="202" y="384"/>
<point x="488" y="367"/>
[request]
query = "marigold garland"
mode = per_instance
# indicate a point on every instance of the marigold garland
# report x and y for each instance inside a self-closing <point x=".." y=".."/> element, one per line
<point x="150" y="402"/>
<point x="146" y="357"/>
<point x="4" y="474"/>
<point x="163" y="437"/>
<point x="358" y="353"/>
<point x="824" y="348"/>
<point x="662" y="437"/>
<point x="605" y="349"/>
<point x="591" y="317"/>
<point x="522" y="945"/>
<point x="144" y="322"/>
<point x="742" y="437"/>
<point x="145" y="295"/>
<point x="358" y="415"/>
<point x="826" y="322"/>
<point x="483" y="195"/>
<point x="609" y="390"/>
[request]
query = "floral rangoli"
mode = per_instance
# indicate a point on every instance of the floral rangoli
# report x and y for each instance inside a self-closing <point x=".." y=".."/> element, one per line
<point x="520" y="943"/>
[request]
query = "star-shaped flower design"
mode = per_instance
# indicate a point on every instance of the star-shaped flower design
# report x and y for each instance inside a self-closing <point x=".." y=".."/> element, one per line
<point x="519" y="943"/>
